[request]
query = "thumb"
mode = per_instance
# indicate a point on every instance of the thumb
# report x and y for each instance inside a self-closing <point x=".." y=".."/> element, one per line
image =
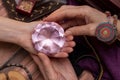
<point x="47" y="65"/>
<point x="88" y="29"/>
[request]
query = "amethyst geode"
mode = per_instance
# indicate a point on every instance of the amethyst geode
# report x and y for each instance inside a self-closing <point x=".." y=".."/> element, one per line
<point x="48" y="37"/>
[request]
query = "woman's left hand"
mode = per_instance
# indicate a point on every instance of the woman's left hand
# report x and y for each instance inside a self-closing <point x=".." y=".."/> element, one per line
<point x="24" y="40"/>
<point x="20" y="33"/>
<point x="55" y="68"/>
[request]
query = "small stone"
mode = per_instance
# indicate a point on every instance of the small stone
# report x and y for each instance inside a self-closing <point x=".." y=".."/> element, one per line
<point x="48" y="38"/>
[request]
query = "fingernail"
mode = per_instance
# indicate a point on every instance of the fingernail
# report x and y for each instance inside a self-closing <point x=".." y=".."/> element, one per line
<point x="68" y="33"/>
<point x="44" y="19"/>
<point x="39" y="54"/>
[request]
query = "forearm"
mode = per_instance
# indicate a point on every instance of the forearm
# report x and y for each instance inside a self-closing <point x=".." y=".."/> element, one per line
<point x="10" y="29"/>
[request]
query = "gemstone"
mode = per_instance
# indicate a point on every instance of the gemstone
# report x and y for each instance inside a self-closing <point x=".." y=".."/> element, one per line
<point x="48" y="38"/>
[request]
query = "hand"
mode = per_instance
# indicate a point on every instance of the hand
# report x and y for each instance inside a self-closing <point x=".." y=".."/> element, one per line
<point x="26" y="42"/>
<point x="55" y="68"/>
<point x="24" y="38"/>
<point x="81" y="20"/>
<point x="86" y="75"/>
<point x="67" y="48"/>
<point x="20" y="33"/>
<point x="17" y="32"/>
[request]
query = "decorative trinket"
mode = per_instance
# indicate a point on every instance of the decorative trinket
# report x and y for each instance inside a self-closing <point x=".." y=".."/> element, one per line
<point x="48" y="38"/>
<point x="25" y="6"/>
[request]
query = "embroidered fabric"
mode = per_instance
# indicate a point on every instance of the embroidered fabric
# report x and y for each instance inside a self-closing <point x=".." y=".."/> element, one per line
<point x="41" y="9"/>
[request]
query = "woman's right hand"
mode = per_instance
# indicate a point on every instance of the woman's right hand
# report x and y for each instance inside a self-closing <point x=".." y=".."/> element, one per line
<point x="80" y="20"/>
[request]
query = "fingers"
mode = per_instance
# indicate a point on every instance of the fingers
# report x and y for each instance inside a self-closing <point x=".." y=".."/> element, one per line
<point x="63" y="52"/>
<point x="69" y="44"/>
<point x="86" y="75"/>
<point x="60" y="55"/>
<point x="45" y="61"/>
<point x="72" y="22"/>
<point x="67" y="13"/>
<point x="68" y="24"/>
<point x="68" y="48"/>
<point x="48" y="68"/>
<point x="38" y="62"/>
<point x="88" y="29"/>
<point x="69" y="37"/>
<point x="52" y="16"/>
<point x="45" y="66"/>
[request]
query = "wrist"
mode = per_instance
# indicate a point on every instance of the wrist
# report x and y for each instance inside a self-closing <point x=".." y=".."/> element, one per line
<point x="25" y="32"/>
<point x="10" y="30"/>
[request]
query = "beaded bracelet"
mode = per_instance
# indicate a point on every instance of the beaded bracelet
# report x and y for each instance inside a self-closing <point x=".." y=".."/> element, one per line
<point x="18" y="65"/>
<point x="115" y="18"/>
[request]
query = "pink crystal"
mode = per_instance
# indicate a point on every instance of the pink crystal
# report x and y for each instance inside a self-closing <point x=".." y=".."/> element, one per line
<point x="48" y="38"/>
